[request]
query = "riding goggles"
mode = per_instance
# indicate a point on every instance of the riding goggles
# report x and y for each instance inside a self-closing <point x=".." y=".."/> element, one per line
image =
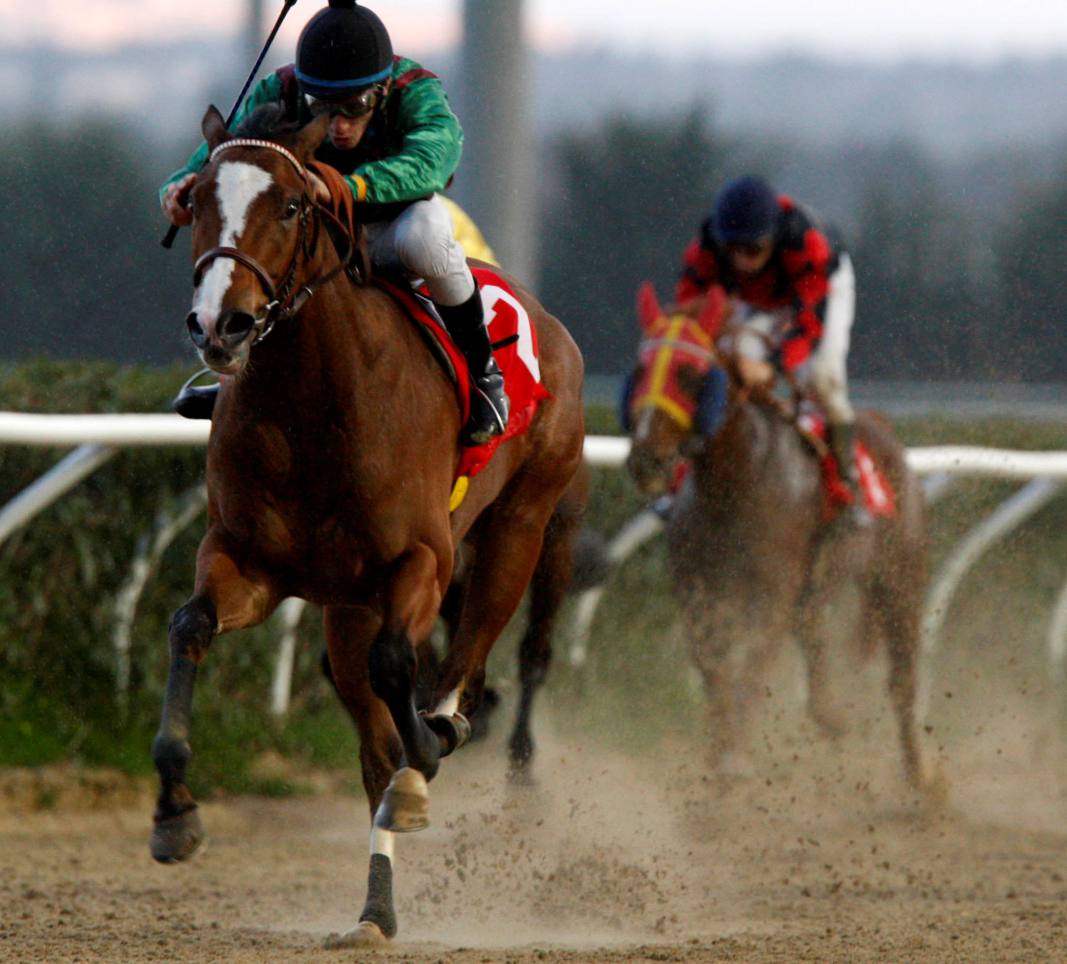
<point x="749" y="249"/>
<point x="352" y="107"/>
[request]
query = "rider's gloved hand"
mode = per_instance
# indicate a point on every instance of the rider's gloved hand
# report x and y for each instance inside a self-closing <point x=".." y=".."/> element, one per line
<point x="754" y="371"/>
<point x="176" y="201"/>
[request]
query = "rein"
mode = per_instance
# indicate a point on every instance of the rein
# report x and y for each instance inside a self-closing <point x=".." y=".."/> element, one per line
<point x="283" y="302"/>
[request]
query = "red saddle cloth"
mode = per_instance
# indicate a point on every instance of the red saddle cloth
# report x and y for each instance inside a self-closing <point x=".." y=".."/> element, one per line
<point x="515" y="348"/>
<point x="878" y="494"/>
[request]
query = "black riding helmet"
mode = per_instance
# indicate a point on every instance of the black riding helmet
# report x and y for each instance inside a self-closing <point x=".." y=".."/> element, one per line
<point x="343" y="50"/>
<point x="746" y="211"/>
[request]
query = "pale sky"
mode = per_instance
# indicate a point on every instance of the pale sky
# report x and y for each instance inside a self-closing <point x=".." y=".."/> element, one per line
<point x="856" y="29"/>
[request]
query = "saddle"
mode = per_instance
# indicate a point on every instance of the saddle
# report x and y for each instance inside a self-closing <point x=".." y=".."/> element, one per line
<point x="811" y="424"/>
<point x="512" y="335"/>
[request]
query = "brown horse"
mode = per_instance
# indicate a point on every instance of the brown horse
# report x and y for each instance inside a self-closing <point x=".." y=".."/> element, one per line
<point x="751" y="554"/>
<point x="330" y="467"/>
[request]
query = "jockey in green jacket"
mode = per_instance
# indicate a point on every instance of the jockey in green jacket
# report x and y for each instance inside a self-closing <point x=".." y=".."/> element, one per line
<point x="394" y="137"/>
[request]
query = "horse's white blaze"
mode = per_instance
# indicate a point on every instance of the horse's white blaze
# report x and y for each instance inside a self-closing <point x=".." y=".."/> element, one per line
<point x="381" y="842"/>
<point x="449" y="706"/>
<point x="239" y="184"/>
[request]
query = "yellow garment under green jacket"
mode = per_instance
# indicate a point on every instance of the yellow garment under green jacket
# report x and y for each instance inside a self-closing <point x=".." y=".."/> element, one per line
<point x="467" y="234"/>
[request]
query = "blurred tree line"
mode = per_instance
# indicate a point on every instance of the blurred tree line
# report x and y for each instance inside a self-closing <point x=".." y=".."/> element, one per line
<point x="948" y="289"/>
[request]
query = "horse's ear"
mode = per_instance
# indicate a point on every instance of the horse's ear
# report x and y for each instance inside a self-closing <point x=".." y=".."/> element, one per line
<point x="213" y="127"/>
<point x="648" y="309"/>
<point x="311" y="135"/>
<point x="713" y="310"/>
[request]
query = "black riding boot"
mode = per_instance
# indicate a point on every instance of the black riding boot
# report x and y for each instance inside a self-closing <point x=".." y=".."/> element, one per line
<point x="840" y="437"/>
<point x="489" y="402"/>
<point x="196" y="401"/>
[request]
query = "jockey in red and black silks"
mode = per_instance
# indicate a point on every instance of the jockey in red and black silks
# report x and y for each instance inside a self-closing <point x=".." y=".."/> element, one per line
<point x="794" y="285"/>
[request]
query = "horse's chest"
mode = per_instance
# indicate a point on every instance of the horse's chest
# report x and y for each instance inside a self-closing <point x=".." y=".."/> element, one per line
<point x="277" y="495"/>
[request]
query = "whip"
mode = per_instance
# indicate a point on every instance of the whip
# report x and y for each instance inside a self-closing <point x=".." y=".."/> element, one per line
<point x="172" y="233"/>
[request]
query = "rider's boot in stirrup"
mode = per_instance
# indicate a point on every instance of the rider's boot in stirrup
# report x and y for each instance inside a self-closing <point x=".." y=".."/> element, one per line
<point x="195" y="402"/>
<point x="840" y="436"/>
<point x="489" y="401"/>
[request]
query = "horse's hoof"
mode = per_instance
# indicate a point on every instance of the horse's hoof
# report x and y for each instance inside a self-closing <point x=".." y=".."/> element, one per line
<point x="365" y="934"/>
<point x="521" y="775"/>
<point x="831" y="723"/>
<point x="405" y="805"/>
<point x="520" y="751"/>
<point x="177" y="838"/>
<point x="932" y="787"/>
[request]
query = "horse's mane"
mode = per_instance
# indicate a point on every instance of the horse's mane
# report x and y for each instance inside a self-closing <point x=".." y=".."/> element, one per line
<point x="268" y="122"/>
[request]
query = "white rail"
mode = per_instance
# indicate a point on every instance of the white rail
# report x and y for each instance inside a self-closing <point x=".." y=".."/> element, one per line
<point x="19" y="428"/>
<point x="99" y="436"/>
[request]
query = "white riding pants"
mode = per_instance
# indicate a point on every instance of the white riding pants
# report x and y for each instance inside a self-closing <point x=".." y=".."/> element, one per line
<point x="421" y="243"/>
<point x="825" y="372"/>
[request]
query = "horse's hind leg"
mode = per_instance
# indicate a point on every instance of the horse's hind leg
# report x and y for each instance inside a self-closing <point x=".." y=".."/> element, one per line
<point x="810" y="634"/>
<point x="548" y="587"/>
<point x="505" y="558"/>
<point x="224" y="599"/>
<point x="900" y="616"/>
<point x="349" y="632"/>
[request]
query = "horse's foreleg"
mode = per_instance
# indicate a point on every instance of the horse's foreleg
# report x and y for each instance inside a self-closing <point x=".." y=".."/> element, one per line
<point x="711" y="639"/>
<point x="349" y="633"/>
<point x="413" y="598"/>
<point x="224" y="600"/>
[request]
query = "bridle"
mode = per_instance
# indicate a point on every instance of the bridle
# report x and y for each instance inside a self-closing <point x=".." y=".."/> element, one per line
<point x="282" y="303"/>
<point x="680" y="334"/>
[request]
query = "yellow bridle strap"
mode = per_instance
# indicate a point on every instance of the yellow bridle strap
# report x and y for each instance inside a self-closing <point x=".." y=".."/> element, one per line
<point x="680" y="335"/>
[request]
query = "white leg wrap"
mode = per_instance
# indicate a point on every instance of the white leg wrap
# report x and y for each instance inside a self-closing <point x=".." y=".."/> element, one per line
<point x="381" y="842"/>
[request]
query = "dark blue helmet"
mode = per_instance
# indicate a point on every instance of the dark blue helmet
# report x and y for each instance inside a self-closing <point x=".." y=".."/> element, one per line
<point x="343" y="50"/>
<point x="746" y="211"/>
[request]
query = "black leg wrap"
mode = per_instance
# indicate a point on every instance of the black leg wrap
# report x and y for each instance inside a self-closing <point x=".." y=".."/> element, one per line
<point x="392" y="674"/>
<point x="454" y="730"/>
<point x="379" y="906"/>
<point x="392" y="669"/>
<point x="193" y="624"/>
<point x="171" y="754"/>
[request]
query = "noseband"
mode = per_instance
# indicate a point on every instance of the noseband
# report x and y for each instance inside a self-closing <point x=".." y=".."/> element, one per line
<point x="282" y="302"/>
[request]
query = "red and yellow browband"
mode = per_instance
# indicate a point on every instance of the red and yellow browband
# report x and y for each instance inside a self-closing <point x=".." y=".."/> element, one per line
<point x="678" y="334"/>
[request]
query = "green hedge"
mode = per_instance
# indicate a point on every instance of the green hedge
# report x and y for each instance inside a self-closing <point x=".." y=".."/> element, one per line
<point x="60" y="574"/>
<point x="58" y="580"/>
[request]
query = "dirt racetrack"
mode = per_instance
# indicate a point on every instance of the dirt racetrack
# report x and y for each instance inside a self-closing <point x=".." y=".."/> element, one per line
<point x="821" y="857"/>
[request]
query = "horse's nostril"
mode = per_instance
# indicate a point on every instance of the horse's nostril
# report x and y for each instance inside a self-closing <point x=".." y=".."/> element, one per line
<point x="234" y="327"/>
<point x="196" y="330"/>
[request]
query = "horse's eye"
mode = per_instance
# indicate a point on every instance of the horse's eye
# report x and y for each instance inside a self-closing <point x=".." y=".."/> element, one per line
<point x="291" y="208"/>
